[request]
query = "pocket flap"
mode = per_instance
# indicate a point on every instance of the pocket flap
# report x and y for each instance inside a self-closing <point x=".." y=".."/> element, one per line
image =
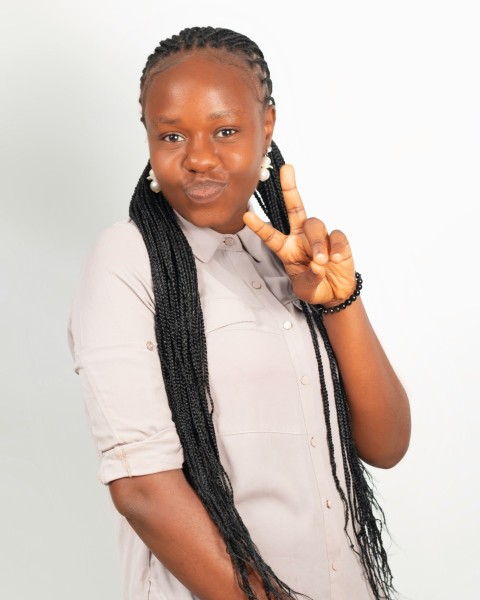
<point x="226" y="312"/>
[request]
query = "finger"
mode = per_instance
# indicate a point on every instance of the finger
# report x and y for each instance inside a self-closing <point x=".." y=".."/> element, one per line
<point x="272" y="238"/>
<point x="318" y="270"/>
<point x="293" y="202"/>
<point x="318" y="239"/>
<point x="310" y="280"/>
<point x="314" y="275"/>
<point x="339" y="246"/>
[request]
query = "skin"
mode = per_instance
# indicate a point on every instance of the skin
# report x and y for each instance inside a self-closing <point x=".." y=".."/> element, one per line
<point x="208" y="129"/>
<point x="218" y="142"/>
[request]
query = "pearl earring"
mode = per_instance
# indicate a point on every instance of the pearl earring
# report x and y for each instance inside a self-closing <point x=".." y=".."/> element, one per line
<point x="265" y="165"/>
<point x="154" y="185"/>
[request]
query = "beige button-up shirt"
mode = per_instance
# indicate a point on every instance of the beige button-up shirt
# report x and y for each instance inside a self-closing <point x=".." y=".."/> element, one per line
<point x="268" y="411"/>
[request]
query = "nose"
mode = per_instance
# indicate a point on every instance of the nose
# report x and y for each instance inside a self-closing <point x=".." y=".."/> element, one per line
<point x="201" y="155"/>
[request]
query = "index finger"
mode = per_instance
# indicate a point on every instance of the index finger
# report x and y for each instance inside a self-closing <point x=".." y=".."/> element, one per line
<point x="296" y="212"/>
<point x="274" y="239"/>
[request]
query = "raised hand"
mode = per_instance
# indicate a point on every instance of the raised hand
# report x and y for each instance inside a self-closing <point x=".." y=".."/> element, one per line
<point x="319" y="264"/>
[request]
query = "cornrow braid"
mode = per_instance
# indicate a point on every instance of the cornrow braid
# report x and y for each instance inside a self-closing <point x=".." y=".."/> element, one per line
<point x="211" y="37"/>
<point x="182" y="349"/>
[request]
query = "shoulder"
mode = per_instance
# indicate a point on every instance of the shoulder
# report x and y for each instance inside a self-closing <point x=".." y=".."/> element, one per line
<point x="118" y="256"/>
<point x="113" y="299"/>
<point x="119" y="243"/>
<point x="118" y="248"/>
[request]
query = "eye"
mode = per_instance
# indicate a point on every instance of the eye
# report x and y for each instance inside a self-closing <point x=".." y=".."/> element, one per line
<point x="172" y="137"/>
<point x="226" y="132"/>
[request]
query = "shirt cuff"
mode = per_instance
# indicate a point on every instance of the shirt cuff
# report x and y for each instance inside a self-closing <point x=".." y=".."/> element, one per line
<point x="160" y="452"/>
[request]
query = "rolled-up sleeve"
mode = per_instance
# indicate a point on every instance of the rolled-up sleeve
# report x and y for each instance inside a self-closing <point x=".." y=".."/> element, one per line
<point x="112" y="340"/>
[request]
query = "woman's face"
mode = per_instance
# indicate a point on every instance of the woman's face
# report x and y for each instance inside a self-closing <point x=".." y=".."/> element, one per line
<point x="207" y="131"/>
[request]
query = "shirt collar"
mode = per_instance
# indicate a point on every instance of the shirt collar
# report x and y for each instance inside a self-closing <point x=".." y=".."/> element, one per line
<point x="205" y="241"/>
<point x="252" y="243"/>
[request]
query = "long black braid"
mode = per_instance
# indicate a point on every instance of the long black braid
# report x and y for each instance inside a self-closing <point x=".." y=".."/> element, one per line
<point x="182" y="350"/>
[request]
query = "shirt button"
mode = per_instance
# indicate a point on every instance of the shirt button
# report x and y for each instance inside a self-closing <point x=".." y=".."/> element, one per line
<point x="305" y="379"/>
<point x="329" y="503"/>
<point x="229" y="241"/>
<point x="150" y="345"/>
<point x="287" y="325"/>
<point x="313" y="441"/>
<point x="256" y="284"/>
<point x="335" y="566"/>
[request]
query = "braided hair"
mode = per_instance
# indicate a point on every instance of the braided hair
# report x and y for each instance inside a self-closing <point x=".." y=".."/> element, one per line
<point x="182" y="349"/>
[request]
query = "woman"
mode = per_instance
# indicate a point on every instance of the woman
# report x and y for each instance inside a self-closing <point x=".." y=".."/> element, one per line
<point x="231" y="376"/>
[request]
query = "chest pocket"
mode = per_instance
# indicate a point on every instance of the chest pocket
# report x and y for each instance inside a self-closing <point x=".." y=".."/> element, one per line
<point x="231" y="313"/>
<point x="251" y="374"/>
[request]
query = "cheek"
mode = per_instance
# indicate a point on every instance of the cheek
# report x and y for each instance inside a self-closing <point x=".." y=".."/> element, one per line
<point x="246" y="163"/>
<point x="164" y="164"/>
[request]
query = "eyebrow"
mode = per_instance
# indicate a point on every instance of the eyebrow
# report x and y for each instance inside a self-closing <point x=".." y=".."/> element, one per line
<point x="220" y="114"/>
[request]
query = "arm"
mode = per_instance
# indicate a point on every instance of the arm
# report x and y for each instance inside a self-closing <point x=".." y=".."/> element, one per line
<point x="379" y="405"/>
<point x="130" y="420"/>
<point x="321" y="270"/>
<point x="168" y="516"/>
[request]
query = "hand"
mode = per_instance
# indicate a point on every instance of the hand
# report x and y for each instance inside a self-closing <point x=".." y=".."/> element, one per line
<point x="320" y="265"/>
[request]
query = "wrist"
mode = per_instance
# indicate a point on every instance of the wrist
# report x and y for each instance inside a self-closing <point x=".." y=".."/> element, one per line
<point x="330" y="310"/>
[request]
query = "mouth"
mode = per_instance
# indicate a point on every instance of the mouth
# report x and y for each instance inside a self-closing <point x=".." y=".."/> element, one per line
<point x="204" y="191"/>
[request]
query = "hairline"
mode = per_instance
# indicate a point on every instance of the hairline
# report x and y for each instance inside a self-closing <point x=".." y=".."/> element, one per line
<point x="175" y="58"/>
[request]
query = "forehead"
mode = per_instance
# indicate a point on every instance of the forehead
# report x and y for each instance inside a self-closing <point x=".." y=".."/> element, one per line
<point x="202" y="75"/>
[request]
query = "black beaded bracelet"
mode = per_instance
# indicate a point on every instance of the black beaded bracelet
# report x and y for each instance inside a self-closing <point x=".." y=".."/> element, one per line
<point x="348" y="301"/>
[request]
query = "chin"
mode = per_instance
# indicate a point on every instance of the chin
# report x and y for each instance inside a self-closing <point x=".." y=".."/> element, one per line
<point x="214" y="219"/>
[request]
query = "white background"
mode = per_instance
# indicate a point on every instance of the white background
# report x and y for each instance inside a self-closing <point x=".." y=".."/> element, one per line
<point x="378" y="109"/>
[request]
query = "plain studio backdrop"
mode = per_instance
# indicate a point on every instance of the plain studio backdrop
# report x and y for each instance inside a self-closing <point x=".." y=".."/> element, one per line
<point x="378" y="109"/>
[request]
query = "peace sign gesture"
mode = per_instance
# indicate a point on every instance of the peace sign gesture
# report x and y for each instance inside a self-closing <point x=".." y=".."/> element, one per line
<point x="319" y="264"/>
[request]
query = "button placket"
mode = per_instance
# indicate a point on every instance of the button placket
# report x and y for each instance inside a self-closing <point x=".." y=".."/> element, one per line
<point x="296" y="335"/>
<point x="293" y="333"/>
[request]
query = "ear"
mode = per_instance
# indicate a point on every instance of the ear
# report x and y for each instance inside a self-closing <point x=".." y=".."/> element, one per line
<point x="270" y="117"/>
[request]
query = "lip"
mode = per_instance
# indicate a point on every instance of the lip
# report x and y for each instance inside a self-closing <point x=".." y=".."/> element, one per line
<point x="204" y="191"/>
